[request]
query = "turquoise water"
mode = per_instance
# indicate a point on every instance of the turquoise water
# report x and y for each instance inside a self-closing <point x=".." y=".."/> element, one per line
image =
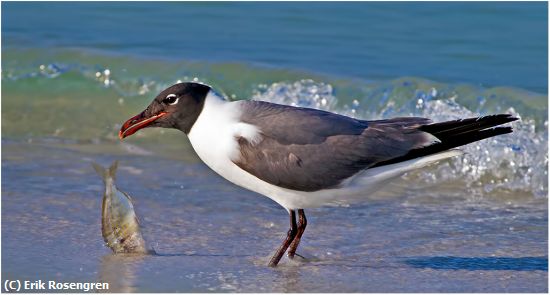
<point x="488" y="44"/>
<point x="73" y="72"/>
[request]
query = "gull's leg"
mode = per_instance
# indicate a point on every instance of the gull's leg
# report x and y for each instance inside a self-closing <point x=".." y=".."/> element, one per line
<point x="302" y="223"/>
<point x="289" y="237"/>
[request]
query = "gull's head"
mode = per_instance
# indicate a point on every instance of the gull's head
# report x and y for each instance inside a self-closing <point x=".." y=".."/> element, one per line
<point x="177" y="106"/>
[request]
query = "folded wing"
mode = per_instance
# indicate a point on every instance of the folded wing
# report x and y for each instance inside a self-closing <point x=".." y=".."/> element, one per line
<point x="309" y="150"/>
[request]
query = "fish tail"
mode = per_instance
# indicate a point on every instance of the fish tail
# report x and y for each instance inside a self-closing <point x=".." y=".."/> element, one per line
<point x="112" y="169"/>
<point x="106" y="173"/>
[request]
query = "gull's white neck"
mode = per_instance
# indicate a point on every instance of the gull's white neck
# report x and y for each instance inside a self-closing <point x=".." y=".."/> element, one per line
<point x="216" y="111"/>
<point x="214" y="139"/>
<point x="213" y="134"/>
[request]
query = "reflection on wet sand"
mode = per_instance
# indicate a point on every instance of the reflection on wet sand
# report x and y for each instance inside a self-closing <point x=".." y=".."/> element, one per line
<point x="120" y="272"/>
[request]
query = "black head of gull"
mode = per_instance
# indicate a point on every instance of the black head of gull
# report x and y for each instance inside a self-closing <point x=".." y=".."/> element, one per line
<point x="304" y="158"/>
<point x="178" y="106"/>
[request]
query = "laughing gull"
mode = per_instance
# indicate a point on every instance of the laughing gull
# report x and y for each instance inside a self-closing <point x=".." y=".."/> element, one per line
<point x="301" y="157"/>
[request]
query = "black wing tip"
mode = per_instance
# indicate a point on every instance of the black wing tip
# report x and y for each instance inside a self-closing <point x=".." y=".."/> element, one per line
<point x="504" y="118"/>
<point x="499" y="130"/>
<point x="496" y="119"/>
<point x="500" y="119"/>
<point x="457" y="133"/>
<point x="444" y="130"/>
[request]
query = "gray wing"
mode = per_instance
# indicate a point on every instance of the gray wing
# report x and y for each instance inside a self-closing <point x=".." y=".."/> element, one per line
<point x="308" y="150"/>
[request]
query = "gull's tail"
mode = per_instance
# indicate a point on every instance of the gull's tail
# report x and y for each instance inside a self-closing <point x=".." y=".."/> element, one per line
<point x="452" y="134"/>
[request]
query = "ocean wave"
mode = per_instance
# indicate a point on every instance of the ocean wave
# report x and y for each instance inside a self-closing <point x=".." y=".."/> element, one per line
<point x="513" y="162"/>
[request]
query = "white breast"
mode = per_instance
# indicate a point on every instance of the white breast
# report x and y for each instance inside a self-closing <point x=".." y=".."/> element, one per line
<point x="213" y="136"/>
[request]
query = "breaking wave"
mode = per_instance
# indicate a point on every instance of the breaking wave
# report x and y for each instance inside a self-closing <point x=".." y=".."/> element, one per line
<point x="516" y="162"/>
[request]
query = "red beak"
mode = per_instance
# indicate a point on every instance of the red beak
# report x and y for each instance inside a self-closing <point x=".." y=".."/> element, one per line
<point x="137" y="122"/>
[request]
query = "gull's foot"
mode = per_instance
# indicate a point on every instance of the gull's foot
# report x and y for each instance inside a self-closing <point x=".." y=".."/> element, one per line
<point x="303" y="257"/>
<point x="297" y="256"/>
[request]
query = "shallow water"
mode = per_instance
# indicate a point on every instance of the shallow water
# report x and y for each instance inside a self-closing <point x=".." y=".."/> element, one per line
<point x="476" y="223"/>
<point x="212" y="236"/>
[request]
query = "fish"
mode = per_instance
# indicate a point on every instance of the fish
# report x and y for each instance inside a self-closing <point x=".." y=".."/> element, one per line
<point x="120" y="226"/>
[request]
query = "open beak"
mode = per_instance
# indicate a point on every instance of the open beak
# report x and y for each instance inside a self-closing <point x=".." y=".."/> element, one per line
<point x="137" y="122"/>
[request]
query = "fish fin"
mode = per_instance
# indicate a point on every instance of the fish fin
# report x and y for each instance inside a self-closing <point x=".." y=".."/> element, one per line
<point x="106" y="173"/>
<point x="137" y="221"/>
<point x="102" y="172"/>
<point x="112" y="169"/>
<point x="131" y="200"/>
<point x="152" y="251"/>
<point x="127" y="196"/>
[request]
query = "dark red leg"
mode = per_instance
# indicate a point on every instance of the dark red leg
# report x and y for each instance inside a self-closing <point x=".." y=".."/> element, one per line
<point x="302" y="223"/>
<point x="289" y="237"/>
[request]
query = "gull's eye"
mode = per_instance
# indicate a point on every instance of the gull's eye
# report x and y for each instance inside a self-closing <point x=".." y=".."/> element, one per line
<point x="170" y="99"/>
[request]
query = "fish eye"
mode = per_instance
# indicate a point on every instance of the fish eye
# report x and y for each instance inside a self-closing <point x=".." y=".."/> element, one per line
<point x="170" y="99"/>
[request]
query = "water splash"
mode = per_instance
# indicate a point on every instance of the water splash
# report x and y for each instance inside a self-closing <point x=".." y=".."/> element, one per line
<point x="304" y="93"/>
<point x="516" y="161"/>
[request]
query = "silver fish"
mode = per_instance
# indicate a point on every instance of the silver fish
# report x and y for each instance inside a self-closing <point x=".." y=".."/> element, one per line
<point x="119" y="224"/>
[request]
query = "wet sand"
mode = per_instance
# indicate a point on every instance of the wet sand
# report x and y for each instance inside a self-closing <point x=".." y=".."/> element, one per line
<point x="213" y="236"/>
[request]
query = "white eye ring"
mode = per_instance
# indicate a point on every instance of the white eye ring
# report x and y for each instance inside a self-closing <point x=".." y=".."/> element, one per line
<point x="169" y="97"/>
